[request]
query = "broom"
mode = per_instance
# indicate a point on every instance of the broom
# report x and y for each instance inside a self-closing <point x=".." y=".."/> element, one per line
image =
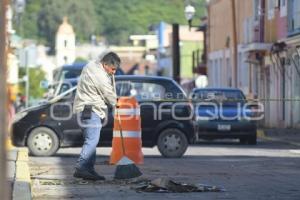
<point x="126" y="168"/>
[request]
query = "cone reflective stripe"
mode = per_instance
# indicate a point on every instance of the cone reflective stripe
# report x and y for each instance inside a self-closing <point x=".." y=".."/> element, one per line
<point x="128" y="134"/>
<point x="130" y="124"/>
<point x="128" y="111"/>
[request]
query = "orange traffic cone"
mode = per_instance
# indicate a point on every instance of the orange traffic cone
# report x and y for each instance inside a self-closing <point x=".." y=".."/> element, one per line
<point x="129" y="122"/>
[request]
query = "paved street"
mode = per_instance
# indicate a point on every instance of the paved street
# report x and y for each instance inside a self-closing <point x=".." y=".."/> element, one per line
<point x="269" y="170"/>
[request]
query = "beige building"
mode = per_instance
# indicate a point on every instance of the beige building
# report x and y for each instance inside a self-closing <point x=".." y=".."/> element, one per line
<point x="65" y="44"/>
<point x="267" y="36"/>
<point x="221" y="69"/>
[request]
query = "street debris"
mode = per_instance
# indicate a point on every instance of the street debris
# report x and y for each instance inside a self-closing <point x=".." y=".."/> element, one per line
<point x="166" y="185"/>
<point x="159" y="185"/>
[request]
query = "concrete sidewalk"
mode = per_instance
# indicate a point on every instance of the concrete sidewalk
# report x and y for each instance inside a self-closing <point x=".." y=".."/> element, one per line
<point x="18" y="174"/>
<point x="289" y="136"/>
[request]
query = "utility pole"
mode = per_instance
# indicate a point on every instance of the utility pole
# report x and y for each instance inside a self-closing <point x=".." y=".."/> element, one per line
<point x="3" y="99"/>
<point x="27" y="78"/>
<point x="176" y="53"/>
<point x="234" y="45"/>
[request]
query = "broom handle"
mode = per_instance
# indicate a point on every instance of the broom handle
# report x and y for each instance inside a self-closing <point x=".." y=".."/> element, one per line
<point x="118" y="116"/>
<point x="121" y="132"/>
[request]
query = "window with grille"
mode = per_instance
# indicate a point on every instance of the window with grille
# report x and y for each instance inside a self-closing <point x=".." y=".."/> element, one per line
<point x="294" y="16"/>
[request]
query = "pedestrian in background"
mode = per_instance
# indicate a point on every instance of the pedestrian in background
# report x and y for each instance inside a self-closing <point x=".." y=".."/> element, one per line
<point x="20" y="103"/>
<point x="95" y="91"/>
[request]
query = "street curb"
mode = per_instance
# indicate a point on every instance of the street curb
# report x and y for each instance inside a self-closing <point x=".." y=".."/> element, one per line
<point x="22" y="182"/>
<point x="261" y="134"/>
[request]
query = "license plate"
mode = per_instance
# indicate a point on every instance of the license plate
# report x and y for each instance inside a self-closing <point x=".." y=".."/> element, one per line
<point x="222" y="127"/>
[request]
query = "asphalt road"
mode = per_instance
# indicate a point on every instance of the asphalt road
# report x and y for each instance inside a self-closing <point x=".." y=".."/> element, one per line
<point x="268" y="170"/>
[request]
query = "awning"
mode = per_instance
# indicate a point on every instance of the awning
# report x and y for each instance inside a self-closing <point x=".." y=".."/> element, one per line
<point x="257" y="47"/>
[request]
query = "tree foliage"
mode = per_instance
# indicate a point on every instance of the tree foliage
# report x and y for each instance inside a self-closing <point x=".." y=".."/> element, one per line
<point x="115" y="20"/>
<point x="36" y="75"/>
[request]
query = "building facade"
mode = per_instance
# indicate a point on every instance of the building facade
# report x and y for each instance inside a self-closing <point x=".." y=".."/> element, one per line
<point x="268" y="47"/>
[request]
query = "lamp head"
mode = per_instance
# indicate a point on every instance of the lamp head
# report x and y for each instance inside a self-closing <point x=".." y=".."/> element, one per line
<point x="189" y="12"/>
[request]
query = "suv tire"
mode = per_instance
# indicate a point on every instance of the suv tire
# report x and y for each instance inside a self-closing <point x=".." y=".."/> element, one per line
<point x="42" y="141"/>
<point x="172" y="143"/>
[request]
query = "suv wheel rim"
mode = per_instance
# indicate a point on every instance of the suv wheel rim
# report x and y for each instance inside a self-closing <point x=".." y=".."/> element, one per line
<point x="172" y="142"/>
<point x="42" y="142"/>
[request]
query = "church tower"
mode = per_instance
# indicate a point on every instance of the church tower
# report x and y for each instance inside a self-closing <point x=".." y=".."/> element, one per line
<point x="65" y="44"/>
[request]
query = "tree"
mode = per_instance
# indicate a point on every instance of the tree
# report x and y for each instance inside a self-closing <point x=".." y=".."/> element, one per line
<point x="28" y="26"/>
<point x="115" y="20"/>
<point x="36" y="75"/>
<point x="81" y="15"/>
<point x="80" y="60"/>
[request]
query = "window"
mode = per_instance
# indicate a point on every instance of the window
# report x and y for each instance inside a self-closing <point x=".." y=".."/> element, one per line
<point x="283" y="8"/>
<point x="221" y="69"/>
<point x="256" y="8"/>
<point x="248" y="30"/>
<point x="65" y="87"/>
<point x="65" y="59"/>
<point x="215" y="73"/>
<point x="66" y="42"/>
<point x="228" y="68"/>
<point x="141" y="90"/>
<point x="71" y="73"/>
<point x="294" y="16"/>
<point x="271" y="9"/>
<point x="123" y="88"/>
<point x="239" y="70"/>
<point x="219" y="95"/>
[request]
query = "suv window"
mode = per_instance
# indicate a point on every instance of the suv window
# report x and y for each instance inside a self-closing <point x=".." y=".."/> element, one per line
<point x="211" y="95"/>
<point x="141" y="90"/>
<point x="62" y="74"/>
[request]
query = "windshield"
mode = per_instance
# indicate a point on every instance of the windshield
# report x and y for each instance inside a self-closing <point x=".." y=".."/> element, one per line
<point x="66" y="74"/>
<point x="62" y="95"/>
<point x="219" y="95"/>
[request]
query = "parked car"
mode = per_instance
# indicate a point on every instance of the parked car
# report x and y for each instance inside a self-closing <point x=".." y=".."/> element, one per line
<point x="46" y="128"/>
<point x="224" y="113"/>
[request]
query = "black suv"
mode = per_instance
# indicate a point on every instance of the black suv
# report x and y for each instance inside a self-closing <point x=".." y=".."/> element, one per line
<point x="166" y="118"/>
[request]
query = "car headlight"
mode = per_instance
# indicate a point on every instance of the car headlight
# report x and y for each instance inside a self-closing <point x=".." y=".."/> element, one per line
<point x="19" y="116"/>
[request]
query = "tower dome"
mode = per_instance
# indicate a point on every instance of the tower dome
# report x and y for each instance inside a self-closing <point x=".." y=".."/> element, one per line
<point x="65" y="27"/>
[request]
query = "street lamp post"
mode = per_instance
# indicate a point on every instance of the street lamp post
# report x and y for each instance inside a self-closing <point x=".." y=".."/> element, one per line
<point x="234" y="44"/>
<point x="176" y="53"/>
<point x="19" y="7"/>
<point x="27" y="78"/>
<point x="189" y="12"/>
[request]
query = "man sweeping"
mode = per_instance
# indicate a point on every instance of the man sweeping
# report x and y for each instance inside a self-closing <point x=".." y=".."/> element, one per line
<point x="95" y="91"/>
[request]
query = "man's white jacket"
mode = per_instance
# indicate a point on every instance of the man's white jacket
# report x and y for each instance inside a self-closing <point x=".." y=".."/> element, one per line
<point x="95" y="87"/>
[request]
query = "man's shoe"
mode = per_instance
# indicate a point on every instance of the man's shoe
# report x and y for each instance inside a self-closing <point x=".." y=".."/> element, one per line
<point x="87" y="175"/>
<point x="99" y="177"/>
